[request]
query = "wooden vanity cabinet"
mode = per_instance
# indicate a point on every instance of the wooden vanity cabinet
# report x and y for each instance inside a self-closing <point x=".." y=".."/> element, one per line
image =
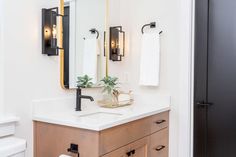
<point x="147" y="137"/>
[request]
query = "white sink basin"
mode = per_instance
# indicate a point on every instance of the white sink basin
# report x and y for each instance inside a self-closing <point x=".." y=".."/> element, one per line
<point x="98" y="116"/>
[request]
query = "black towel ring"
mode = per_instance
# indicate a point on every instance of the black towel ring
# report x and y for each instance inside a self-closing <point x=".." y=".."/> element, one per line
<point x="93" y="31"/>
<point x="151" y="25"/>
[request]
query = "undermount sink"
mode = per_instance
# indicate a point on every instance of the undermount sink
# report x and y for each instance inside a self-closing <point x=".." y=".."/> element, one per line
<point x="101" y="114"/>
<point x="98" y="116"/>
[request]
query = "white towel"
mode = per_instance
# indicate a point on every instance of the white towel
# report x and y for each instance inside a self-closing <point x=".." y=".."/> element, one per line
<point x="150" y="60"/>
<point x="64" y="155"/>
<point x="90" y="58"/>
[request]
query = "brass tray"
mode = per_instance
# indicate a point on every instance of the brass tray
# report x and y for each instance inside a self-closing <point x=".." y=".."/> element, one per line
<point x="111" y="104"/>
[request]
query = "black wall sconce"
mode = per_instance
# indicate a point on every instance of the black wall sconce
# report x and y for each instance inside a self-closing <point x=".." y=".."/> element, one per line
<point x="117" y="43"/>
<point x="49" y="31"/>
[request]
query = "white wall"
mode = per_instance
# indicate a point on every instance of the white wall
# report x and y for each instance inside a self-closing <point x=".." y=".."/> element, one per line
<point x="1" y="64"/>
<point x="175" y="58"/>
<point x="29" y="75"/>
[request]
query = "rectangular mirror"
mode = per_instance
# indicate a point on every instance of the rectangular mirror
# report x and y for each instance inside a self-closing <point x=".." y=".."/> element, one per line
<point x="84" y="25"/>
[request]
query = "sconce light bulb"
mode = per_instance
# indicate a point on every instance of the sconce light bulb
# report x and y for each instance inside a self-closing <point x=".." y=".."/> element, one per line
<point x="47" y="33"/>
<point x="121" y="44"/>
<point x="117" y="43"/>
<point x="113" y="44"/>
<point x="54" y="31"/>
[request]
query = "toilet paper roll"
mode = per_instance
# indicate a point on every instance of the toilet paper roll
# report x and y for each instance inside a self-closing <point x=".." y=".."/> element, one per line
<point x="64" y="155"/>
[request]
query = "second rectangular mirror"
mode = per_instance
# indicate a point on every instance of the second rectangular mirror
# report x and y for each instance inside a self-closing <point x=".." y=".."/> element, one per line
<point x="83" y="34"/>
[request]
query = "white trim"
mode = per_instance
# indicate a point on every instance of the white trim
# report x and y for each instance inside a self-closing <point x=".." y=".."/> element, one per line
<point x="68" y="1"/>
<point x="2" y="69"/>
<point x="192" y="80"/>
<point x="185" y="114"/>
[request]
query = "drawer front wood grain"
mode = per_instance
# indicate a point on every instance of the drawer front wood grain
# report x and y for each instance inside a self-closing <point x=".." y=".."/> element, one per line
<point x="53" y="140"/>
<point x="121" y="152"/>
<point x="159" y="121"/>
<point x="159" y="143"/>
<point x="138" y="148"/>
<point x="117" y="137"/>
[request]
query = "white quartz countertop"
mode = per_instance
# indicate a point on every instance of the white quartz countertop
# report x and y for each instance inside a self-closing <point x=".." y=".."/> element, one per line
<point x="96" y="118"/>
<point x="8" y="119"/>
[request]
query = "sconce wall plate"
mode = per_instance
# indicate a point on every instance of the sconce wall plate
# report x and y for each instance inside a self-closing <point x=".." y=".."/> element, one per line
<point x="49" y="31"/>
<point x="117" y="43"/>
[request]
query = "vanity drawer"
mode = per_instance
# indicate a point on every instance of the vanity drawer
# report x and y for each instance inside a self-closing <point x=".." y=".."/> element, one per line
<point x="159" y="121"/>
<point x="159" y="143"/>
<point x="114" y="138"/>
<point x="138" y="148"/>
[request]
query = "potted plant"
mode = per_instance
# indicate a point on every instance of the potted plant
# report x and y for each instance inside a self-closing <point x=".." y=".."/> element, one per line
<point x="84" y="82"/>
<point x="110" y="87"/>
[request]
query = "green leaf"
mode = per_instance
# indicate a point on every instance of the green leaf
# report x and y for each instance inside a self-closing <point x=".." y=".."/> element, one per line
<point x="109" y="84"/>
<point x="84" y="81"/>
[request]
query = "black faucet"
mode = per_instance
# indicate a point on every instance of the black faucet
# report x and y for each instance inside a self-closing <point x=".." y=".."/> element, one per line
<point x="79" y="97"/>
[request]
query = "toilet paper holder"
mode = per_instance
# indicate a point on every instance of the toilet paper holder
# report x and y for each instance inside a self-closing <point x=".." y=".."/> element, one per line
<point x="74" y="148"/>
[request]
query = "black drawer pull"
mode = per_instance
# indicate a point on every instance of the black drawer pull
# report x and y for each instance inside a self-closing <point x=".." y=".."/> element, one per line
<point x="159" y="148"/>
<point x="133" y="152"/>
<point x="130" y="153"/>
<point x="73" y="149"/>
<point x="160" y="121"/>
